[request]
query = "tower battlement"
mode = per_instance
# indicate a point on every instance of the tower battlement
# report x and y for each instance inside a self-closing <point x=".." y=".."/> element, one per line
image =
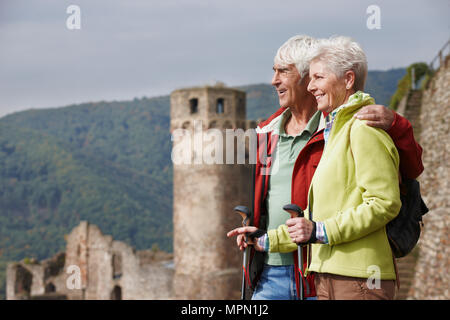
<point x="217" y="106"/>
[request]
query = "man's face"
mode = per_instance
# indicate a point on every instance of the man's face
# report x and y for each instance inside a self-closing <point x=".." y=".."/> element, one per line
<point x="287" y="82"/>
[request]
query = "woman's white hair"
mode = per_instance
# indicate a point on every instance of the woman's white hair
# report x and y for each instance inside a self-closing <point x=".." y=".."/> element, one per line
<point x="297" y="50"/>
<point x="342" y="54"/>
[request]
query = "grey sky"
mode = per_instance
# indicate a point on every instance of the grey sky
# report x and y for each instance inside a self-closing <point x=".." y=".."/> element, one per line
<point x="135" y="48"/>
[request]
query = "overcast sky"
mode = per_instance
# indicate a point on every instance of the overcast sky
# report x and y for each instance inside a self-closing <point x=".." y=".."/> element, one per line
<point x="136" y="48"/>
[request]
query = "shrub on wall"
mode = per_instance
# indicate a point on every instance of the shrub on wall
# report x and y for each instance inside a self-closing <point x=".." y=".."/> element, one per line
<point x="421" y="72"/>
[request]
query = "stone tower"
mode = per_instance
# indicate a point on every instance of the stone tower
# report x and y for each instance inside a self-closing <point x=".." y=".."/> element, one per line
<point x="207" y="263"/>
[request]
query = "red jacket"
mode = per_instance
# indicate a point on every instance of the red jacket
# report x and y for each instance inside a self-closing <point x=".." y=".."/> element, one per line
<point x="305" y="165"/>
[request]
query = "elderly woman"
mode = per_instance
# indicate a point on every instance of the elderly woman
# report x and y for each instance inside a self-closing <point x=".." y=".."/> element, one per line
<point x="355" y="190"/>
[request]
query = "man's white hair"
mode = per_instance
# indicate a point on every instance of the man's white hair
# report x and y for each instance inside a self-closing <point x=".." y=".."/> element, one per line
<point x="341" y="54"/>
<point x="297" y="50"/>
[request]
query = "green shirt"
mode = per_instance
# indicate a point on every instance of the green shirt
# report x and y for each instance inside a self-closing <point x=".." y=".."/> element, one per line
<point x="279" y="193"/>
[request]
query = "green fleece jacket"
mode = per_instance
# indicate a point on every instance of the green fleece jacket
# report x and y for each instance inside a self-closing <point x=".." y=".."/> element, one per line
<point x="355" y="193"/>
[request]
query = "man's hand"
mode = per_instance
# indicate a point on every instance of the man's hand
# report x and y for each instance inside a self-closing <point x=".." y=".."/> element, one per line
<point x="240" y="239"/>
<point x="300" y="229"/>
<point x="377" y="116"/>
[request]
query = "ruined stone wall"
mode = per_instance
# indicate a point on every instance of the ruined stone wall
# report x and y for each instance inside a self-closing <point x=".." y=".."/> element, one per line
<point x="114" y="265"/>
<point x="108" y="269"/>
<point x="155" y="275"/>
<point x="26" y="279"/>
<point x="432" y="269"/>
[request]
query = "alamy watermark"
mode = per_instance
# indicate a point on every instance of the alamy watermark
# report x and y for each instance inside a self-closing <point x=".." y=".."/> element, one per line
<point x="374" y="20"/>
<point x="228" y="146"/>
<point x="374" y="281"/>
<point x="74" y="279"/>
<point x="73" y="22"/>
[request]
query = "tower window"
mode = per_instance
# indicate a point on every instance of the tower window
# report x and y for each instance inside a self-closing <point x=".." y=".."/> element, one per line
<point x="186" y="125"/>
<point x="116" y="293"/>
<point x="227" y="125"/>
<point x="23" y="281"/>
<point x="193" y="105"/>
<point x="220" y="105"/>
<point x="50" y="287"/>
<point x="117" y="266"/>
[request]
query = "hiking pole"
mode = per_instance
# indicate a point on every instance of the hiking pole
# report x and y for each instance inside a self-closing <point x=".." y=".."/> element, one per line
<point x="296" y="212"/>
<point x="245" y="214"/>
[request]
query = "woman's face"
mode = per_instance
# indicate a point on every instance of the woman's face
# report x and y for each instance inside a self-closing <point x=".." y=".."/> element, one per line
<point x="329" y="90"/>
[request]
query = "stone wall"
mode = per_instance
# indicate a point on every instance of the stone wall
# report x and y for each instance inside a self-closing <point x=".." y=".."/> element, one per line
<point x="409" y="107"/>
<point x="432" y="273"/>
<point x="26" y="279"/>
<point x="108" y="269"/>
<point x="424" y="272"/>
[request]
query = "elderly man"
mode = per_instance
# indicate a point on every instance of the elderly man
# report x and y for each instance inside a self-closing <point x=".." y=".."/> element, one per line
<point x="295" y="141"/>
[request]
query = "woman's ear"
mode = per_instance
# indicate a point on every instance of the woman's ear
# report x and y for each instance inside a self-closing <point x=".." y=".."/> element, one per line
<point x="349" y="79"/>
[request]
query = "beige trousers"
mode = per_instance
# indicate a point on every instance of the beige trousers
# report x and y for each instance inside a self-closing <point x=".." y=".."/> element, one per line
<point x="336" y="287"/>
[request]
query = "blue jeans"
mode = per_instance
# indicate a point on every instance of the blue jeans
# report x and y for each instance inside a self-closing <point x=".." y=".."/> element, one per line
<point x="277" y="283"/>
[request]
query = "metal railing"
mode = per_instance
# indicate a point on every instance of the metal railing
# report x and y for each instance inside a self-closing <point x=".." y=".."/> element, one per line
<point x="440" y="57"/>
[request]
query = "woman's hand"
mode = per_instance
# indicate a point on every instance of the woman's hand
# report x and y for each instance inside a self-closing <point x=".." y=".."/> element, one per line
<point x="300" y="229"/>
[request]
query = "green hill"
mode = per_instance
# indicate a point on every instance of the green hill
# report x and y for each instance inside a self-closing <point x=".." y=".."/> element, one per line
<point x="105" y="162"/>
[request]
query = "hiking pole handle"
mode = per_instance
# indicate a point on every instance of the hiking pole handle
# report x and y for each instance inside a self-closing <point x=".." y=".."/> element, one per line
<point x="294" y="210"/>
<point x="244" y="212"/>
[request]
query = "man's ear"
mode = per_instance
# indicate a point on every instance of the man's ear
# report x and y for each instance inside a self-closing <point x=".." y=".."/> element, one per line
<point x="349" y="79"/>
